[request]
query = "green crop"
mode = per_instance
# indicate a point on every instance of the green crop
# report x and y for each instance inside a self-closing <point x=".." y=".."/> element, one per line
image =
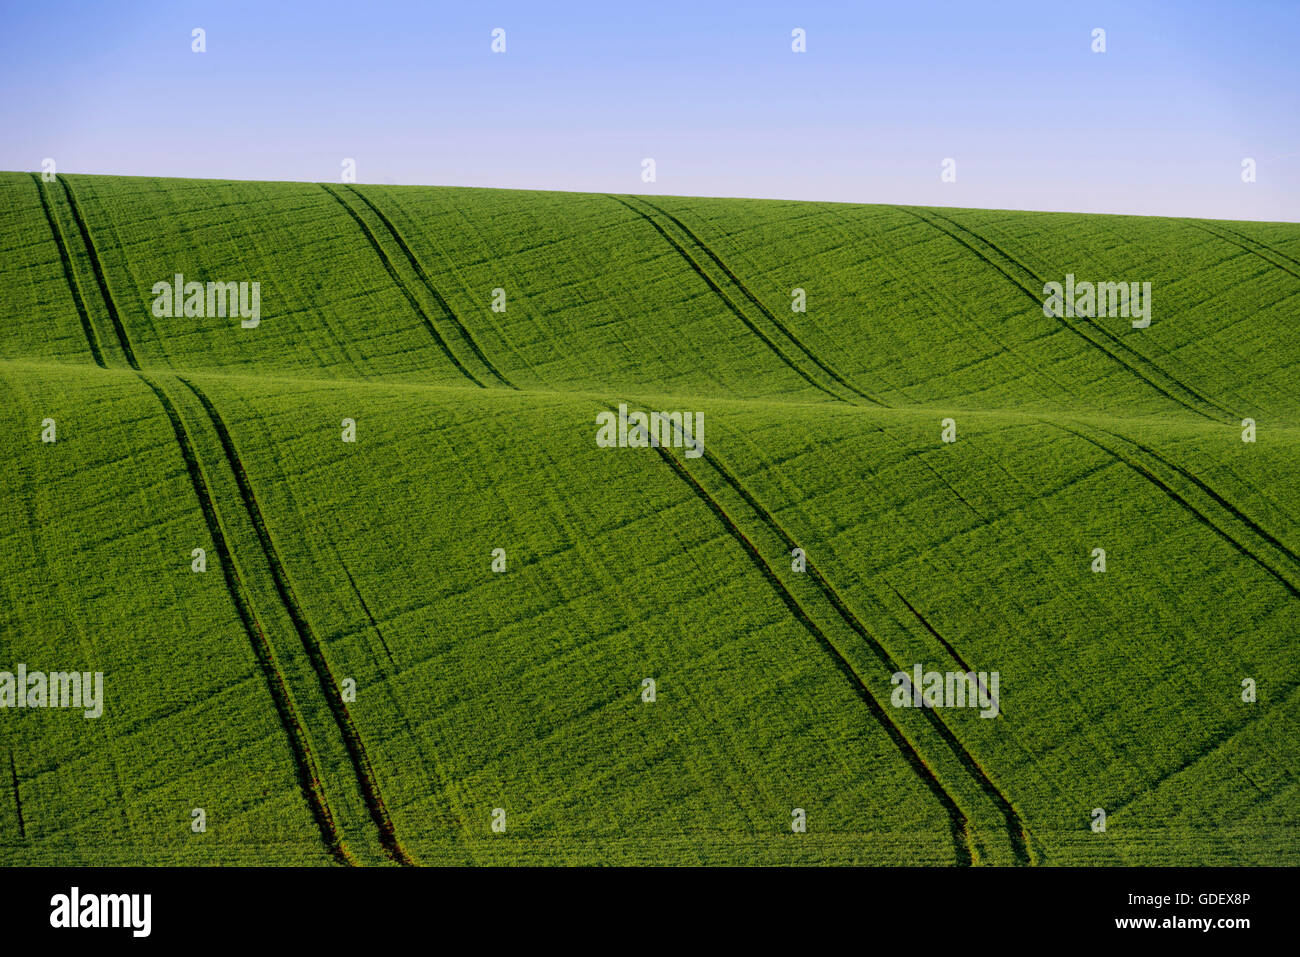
<point x="440" y="623"/>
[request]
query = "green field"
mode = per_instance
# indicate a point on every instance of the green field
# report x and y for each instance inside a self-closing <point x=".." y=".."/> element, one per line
<point x="351" y="682"/>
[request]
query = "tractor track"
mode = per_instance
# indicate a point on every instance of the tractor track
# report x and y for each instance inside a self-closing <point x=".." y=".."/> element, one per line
<point x="356" y="750"/>
<point x="305" y="768"/>
<point x="1192" y="400"/>
<point x="727" y="301"/>
<point x="1241" y="241"/>
<point x="1015" y="827"/>
<point x="401" y="285"/>
<point x="433" y="291"/>
<point x="958" y="822"/>
<point x="305" y="765"/>
<point x="925" y="623"/>
<point x="1171" y="493"/>
<point x="1016" y="830"/>
<point x="86" y="325"/>
<point x="825" y="367"/>
<point x="1227" y="506"/>
<point x="98" y="269"/>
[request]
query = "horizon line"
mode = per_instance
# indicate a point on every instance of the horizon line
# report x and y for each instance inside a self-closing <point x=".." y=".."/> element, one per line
<point x="582" y="192"/>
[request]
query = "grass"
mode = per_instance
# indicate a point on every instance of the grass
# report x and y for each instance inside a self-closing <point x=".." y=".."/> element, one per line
<point x="336" y="567"/>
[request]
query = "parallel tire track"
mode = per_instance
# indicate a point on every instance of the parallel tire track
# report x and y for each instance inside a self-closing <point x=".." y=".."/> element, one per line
<point x="1016" y="829"/>
<point x="727" y="301"/>
<point x="97" y="267"/>
<point x="958" y="822"/>
<point x="433" y="290"/>
<point x="1223" y="502"/>
<point x="356" y="749"/>
<point x="1191" y="399"/>
<point x="1187" y="506"/>
<point x="1241" y="241"/>
<point x="397" y="281"/>
<point x="305" y="765"/>
<point x="758" y="303"/>
<point x="86" y="326"/>
<point x="305" y="768"/>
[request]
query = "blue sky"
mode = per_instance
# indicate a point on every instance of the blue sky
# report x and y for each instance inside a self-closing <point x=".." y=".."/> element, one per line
<point x="1158" y="124"/>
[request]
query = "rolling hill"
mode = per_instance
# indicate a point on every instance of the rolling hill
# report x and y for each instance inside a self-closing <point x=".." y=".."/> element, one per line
<point x="435" y="621"/>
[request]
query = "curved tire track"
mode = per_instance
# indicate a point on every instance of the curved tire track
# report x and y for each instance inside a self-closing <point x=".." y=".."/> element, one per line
<point x="1219" y="500"/>
<point x="958" y="822"/>
<point x="1191" y="399"/>
<point x="1016" y="830"/>
<point x="98" y="269"/>
<point x="305" y="765"/>
<point x="86" y="325"/>
<point x="727" y="301"/>
<point x="397" y="281"/>
<point x="356" y="750"/>
<point x="433" y="291"/>
<point x="825" y="367"/>
<point x="1148" y="474"/>
<point x="1244" y="239"/>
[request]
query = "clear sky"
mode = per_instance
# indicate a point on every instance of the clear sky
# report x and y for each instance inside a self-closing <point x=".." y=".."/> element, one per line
<point x="1158" y="124"/>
